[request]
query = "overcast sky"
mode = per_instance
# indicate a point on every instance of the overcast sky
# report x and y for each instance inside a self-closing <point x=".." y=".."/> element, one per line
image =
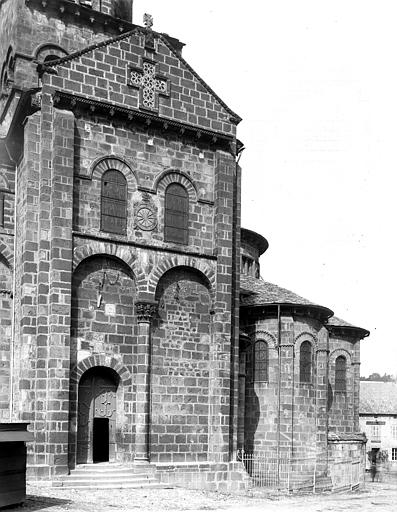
<point x="316" y="85"/>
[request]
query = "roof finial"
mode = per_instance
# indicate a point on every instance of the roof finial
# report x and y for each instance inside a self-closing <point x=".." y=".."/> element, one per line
<point x="148" y="21"/>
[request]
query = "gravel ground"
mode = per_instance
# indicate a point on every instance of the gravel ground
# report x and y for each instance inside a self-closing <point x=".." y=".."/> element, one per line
<point x="380" y="496"/>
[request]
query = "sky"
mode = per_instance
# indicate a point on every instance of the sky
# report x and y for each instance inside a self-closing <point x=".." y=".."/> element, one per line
<point x="316" y="85"/>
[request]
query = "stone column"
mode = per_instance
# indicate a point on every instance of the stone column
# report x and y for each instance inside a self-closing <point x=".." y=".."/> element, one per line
<point x="222" y="420"/>
<point x="241" y="401"/>
<point x="145" y="312"/>
<point x="322" y="392"/>
<point x="356" y="386"/>
<point x="285" y="388"/>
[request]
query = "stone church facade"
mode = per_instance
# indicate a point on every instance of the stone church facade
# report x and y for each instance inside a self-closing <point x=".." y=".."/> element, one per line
<point x="126" y="334"/>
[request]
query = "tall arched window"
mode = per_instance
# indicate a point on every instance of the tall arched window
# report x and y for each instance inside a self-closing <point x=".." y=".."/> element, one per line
<point x="176" y="217"/>
<point x="305" y="372"/>
<point x="340" y="373"/>
<point x="114" y="203"/>
<point x="261" y="361"/>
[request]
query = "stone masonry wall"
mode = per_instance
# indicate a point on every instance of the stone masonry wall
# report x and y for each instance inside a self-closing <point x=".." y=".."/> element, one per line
<point x="180" y="368"/>
<point x="5" y="336"/>
<point x="143" y="165"/>
<point x="342" y="404"/>
<point x="37" y="25"/>
<point x="299" y="415"/>
<point x="43" y="280"/>
<point x="103" y="323"/>
<point x="103" y="74"/>
<point x="261" y="403"/>
<point x="58" y="230"/>
<point x="7" y="187"/>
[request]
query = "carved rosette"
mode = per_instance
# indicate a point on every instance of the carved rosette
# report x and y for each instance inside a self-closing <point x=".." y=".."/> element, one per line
<point x="145" y="311"/>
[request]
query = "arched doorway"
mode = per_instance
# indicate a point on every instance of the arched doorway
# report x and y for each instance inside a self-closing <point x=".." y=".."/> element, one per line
<point x="96" y="421"/>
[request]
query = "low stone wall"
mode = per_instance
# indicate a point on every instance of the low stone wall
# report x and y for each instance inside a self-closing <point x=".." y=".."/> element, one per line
<point x="227" y="477"/>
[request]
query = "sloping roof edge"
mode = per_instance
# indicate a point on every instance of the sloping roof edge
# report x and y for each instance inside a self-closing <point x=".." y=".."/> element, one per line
<point x="42" y="68"/>
<point x="235" y="117"/>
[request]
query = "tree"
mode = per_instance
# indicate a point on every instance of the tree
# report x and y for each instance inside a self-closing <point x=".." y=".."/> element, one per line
<point x="379" y="378"/>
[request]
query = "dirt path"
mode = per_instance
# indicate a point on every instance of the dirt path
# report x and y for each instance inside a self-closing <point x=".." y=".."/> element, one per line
<point x="380" y="497"/>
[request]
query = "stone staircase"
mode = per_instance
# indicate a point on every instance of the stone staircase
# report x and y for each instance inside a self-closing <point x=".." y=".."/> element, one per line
<point x="109" y="476"/>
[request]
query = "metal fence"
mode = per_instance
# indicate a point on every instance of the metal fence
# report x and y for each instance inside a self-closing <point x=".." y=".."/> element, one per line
<point x="308" y="474"/>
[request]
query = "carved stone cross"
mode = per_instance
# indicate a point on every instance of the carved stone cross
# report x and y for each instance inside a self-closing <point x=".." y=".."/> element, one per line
<point x="148" y="21"/>
<point x="150" y="84"/>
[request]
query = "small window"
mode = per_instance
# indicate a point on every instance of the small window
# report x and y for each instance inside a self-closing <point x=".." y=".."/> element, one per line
<point x="114" y="203"/>
<point x="375" y="432"/>
<point x="340" y="374"/>
<point x="306" y="362"/>
<point x="394" y="454"/>
<point x="394" y="431"/>
<point x="261" y="361"/>
<point x="176" y="222"/>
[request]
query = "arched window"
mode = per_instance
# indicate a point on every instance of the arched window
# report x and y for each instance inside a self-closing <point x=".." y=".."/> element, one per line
<point x="340" y="373"/>
<point x="261" y="361"/>
<point x="114" y="202"/>
<point x="305" y="372"/>
<point x="176" y="218"/>
<point x="51" y="57"/>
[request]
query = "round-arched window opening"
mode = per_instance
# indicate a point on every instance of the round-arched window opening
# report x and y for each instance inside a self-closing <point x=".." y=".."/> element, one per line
<point x="50" y="58"/>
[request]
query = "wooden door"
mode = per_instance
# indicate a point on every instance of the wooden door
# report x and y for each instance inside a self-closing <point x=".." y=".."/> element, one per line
<point x="96" y="399"/>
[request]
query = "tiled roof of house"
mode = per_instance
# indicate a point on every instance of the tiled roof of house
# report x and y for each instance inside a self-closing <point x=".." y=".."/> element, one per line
<point x="378" y="397"/>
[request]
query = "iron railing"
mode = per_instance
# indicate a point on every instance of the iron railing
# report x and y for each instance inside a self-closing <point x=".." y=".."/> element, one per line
<point x="310" y="474"/>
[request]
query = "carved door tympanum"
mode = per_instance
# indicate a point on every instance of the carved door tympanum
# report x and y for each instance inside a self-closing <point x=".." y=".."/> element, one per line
<point x="96" y="426"/>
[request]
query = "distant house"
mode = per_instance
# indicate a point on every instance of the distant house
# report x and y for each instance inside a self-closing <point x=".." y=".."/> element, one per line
<point x="378" y="418"/>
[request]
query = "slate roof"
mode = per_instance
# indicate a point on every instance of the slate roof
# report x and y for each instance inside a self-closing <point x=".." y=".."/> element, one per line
<point x="337" y="326"/>
<point x="338" y="322"/>
<point x="378" y="397"/>
<point x="257" y="292"/>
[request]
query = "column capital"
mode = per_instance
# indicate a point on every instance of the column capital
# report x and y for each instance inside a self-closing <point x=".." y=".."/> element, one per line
<point x="145" y="310"/>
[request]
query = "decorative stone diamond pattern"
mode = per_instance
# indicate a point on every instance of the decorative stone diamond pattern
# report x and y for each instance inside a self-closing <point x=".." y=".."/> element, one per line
<point x="149" y="84"/>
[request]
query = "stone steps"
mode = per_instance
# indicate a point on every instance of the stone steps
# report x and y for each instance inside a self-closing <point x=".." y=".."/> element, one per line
<point x="109" y="476"/>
